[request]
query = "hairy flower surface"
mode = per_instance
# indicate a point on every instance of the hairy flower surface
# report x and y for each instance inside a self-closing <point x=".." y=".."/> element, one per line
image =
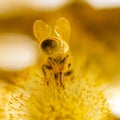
<point x="32" y="99"/>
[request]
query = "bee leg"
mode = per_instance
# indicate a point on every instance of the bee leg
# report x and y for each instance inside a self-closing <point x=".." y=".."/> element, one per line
<point x="53" y="65"/>
<point x="65" y="59"/>
<point x="44" y="69"/>
<point x="57" y="73"/>
<point x="68" y="73"/>
<point x="59" y="80"/>
<point x="65" y="63"/>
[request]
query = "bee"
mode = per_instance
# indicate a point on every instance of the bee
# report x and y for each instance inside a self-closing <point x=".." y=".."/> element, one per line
<point x="55" y="46"/>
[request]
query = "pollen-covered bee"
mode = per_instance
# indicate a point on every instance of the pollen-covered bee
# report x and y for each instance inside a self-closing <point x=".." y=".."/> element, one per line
<point x="55" y="46"/>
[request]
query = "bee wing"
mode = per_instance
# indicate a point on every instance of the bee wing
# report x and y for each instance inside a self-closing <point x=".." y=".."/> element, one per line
<point x="41" y="30"/>
<point x="63" y="29"/>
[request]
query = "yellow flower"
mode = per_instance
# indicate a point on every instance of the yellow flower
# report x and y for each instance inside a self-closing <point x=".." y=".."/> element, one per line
<point x="32" y="99"/>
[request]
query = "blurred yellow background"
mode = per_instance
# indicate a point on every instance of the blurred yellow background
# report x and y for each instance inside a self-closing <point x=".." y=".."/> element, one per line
<point x="95" y="38"/>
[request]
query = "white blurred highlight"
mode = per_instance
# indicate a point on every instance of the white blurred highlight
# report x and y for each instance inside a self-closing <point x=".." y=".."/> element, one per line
<point x="47" y="4"/>
<point x="104" y="3"/>
<point x="114" y="100"/>
<point x="16" y="52"/>
<point x="10" y="5"/>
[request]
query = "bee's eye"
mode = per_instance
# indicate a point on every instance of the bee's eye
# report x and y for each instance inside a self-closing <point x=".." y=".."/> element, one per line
<point x="49" y="46"/>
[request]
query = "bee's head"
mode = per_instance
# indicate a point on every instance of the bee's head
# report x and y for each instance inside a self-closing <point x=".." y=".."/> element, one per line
<point x="49" y="46"/>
